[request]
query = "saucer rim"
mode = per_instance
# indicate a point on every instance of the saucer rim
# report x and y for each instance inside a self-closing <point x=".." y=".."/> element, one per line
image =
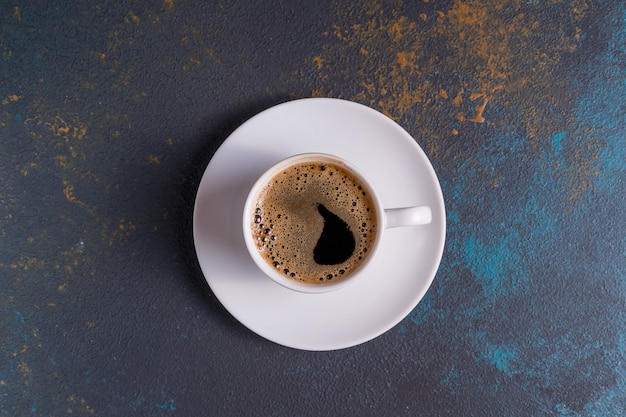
<point x="431" y="268"/>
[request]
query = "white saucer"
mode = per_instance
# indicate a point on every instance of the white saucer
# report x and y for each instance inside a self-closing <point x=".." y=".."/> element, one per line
<point x="403" y="269"/>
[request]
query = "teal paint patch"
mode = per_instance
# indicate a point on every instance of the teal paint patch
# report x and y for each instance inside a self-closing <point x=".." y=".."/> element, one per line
<point x="503" y="357"/>
<point x="452" y="217"/>
<point x="401" y="329"/>
<point x="297" y="370"/>
<point x="496" y="264"/>
<point x="557" y="142"/>
<point x="168" y="405"/>
<point x="539" y="218"/>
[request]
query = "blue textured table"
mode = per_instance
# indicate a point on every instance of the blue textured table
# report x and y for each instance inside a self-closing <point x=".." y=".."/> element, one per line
<point x="110" y="111"/>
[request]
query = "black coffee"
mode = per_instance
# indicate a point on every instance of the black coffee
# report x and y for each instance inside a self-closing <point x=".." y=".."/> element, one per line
<point x="314" y="222"/>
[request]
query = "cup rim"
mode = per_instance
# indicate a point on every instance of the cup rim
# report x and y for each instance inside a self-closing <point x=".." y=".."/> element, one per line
<point x="273" y="273"/>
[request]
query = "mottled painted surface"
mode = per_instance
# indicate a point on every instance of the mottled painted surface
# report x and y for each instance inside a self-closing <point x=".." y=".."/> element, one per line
<point x="109" y="112"/>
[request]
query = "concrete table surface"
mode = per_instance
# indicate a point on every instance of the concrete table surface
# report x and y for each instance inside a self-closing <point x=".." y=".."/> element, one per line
<point x="110" y="112"/>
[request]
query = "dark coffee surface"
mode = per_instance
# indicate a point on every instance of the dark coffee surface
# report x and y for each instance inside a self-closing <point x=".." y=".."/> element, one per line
<point x="315" y="222"/>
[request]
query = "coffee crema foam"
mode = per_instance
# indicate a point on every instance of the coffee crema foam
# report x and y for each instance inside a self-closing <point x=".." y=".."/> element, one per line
<point x="287" y="220"/>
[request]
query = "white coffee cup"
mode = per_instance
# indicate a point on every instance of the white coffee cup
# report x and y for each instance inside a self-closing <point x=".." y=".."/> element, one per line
<point x="384" y="219"/>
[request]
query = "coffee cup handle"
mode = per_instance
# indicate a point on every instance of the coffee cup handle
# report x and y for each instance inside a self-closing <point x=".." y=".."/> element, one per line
<point x="407" y="216"/>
